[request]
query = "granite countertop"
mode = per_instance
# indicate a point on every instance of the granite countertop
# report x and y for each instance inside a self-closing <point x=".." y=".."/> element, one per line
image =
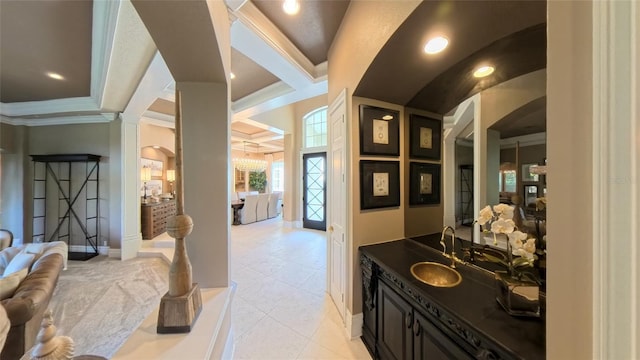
<point x="472" y="301"/>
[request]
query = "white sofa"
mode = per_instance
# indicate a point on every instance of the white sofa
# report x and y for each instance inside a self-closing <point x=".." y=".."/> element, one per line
<point x="258" y="207"/>
<point x="243" y="194"/>
<point x="248" y="213"/>
<point x="275" y="201"/>
<point x="262" y="208"/>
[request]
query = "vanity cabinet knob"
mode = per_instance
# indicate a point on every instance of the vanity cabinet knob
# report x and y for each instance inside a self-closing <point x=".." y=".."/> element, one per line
<point x="416" y="328"/>
<point x="408" y="319"/>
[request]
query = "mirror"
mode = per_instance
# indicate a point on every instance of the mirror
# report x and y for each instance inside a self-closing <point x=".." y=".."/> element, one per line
<point x="496" y="154"/>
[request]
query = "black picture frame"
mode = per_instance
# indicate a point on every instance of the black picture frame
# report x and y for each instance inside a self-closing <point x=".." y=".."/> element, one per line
<point x="384" y="195"/>
<point x="425" y="137"/>
<point x="424" y="183"/>
<point x="385" y="124"/>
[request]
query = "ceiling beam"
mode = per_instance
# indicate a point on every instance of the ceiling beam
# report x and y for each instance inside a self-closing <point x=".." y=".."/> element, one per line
<point x="255" y="36"/>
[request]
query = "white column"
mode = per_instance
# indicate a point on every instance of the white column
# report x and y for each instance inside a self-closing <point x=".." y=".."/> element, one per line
<point x="207" y="157"/>
<point x="125" y="176"/>
<point x="449" y="176"/>
<point x="616" y="179"/>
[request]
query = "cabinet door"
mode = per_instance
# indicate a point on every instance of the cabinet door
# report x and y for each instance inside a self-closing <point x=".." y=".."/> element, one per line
<point x="395" y="321"/>
<point x="430" y="343"/>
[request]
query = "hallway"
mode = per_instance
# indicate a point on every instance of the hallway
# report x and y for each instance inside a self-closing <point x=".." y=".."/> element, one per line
<point x="281" y="309"/>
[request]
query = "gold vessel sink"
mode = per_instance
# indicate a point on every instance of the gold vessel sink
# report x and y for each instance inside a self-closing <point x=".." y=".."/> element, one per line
<point x="436" y="274"/>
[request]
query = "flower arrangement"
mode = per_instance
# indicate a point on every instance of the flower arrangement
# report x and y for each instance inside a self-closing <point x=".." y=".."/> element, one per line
<point x="499" y="220"/>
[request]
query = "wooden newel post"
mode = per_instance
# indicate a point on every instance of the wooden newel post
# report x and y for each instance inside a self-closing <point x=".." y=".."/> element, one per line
<point x="180" y="306"/>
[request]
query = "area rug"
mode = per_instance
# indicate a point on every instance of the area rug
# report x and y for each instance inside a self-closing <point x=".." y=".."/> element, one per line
<point x="100" y="302"/>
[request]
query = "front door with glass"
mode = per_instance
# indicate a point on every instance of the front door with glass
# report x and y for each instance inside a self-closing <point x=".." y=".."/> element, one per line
<point x="314" y="191"/>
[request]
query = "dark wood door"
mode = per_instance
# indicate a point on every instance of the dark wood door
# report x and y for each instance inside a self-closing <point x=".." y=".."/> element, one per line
<point x="314" y="192"/>
<point x="395" y="322"/>
<point x="429" y="343"/>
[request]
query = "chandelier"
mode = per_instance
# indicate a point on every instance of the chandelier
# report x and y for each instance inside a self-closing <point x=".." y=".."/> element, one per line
<point x="248" y="164"/>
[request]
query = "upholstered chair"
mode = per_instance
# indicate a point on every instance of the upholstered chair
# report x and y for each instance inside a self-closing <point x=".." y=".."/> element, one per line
<point x="248" y="211"/>
<point x="263" y="206"/>
<point x="6" y="238"/>
<point x="274" y="201"/>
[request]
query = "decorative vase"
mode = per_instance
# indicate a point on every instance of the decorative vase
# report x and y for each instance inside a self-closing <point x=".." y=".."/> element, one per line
<point x="518" y="297"/>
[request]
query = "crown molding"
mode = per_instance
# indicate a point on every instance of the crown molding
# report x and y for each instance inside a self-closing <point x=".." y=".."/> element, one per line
<point x="105" y="19"/>
<point x="159" y="116"/>
<point x="158" y="122"/>
<point x="27" y="108"/>
<point x="246" y="107"/>
<point x="61" y="120"/>
<point x="525" y="140"/>
<point x="255" y="36"/>
<point x="265" y="94"/>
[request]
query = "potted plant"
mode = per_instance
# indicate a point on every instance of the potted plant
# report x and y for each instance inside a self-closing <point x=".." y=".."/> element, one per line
<point x="517" y="288"/>
<point x="258" y="181"/>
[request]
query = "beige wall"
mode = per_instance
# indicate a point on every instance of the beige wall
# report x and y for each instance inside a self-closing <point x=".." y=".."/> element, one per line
<point x="282" y="118"/>
<point x="376" y="225"/>
<point x="151" y="135"/>
<point x="425" y="219"/>
<point x="74" y="139"/>
<point x="356" y="44"/>
<point x="569" y="146"/>
<point x="15" y="187"/>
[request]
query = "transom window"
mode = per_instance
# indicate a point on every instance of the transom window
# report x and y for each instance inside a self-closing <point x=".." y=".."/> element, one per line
<point x="315" y="128"/>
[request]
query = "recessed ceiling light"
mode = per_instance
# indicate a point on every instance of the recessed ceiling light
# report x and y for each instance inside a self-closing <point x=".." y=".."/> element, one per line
<point x="436" y="45"/>
<point x="387" y="117"/>
<point x="233" y="76"/>
<point x="291" y="7"/>
<point x="55" y="76"/>
<point x="483" y="71"/>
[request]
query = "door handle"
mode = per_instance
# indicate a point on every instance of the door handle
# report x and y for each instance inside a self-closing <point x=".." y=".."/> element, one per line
<point x="408" y="320"/>
<point x="330" y="228"/>
<point x="416" y="328"/>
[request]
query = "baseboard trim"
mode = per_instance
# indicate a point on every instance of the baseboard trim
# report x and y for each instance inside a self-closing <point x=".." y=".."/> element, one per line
<point x="354" y="325"/>
<point x="114" y="253"/>
<point x="102" y="250"/>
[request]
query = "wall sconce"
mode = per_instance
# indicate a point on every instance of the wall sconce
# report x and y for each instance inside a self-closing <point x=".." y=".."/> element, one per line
<point x="171" y="177"/>
<point x="145" y="175"/>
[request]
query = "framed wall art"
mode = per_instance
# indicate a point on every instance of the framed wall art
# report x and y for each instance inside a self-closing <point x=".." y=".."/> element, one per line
<point x="379" y="184"/>
<point x="379" y="131"/>
<point x="424" y="183"/>
<point x="425" y="137"/>
<point x="155" y="165"/>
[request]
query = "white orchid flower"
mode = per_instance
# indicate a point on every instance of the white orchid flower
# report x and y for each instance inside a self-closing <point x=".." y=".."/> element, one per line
<point x="503" y="226"/>
<point x="504" y="211"/>
<point x="485" y="215"/>
<point x="530" y="246"/>
<point x="516" y="239"/>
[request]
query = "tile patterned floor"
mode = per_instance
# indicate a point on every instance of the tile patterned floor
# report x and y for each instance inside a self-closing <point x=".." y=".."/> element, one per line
<point x="281" y="309"/>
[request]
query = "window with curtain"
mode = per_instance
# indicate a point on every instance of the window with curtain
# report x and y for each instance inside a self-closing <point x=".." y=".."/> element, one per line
<point x="507" y="181"/>
<point x="277" y="175"/>
<point x="315" y="128"/>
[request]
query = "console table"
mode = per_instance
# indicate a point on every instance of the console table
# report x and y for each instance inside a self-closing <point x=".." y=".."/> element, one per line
<point x="236" y="206"/>
<point x="154" y="218"/>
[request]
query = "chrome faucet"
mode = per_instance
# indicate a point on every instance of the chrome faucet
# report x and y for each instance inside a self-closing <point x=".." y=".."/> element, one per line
<point x="453" y="245"/>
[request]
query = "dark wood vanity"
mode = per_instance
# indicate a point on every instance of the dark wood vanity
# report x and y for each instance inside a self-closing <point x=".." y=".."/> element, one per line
<point x="407" y="319"/>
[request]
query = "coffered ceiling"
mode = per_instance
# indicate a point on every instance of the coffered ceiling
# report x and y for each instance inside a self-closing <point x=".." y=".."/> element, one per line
<point x="101" y="49"/>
